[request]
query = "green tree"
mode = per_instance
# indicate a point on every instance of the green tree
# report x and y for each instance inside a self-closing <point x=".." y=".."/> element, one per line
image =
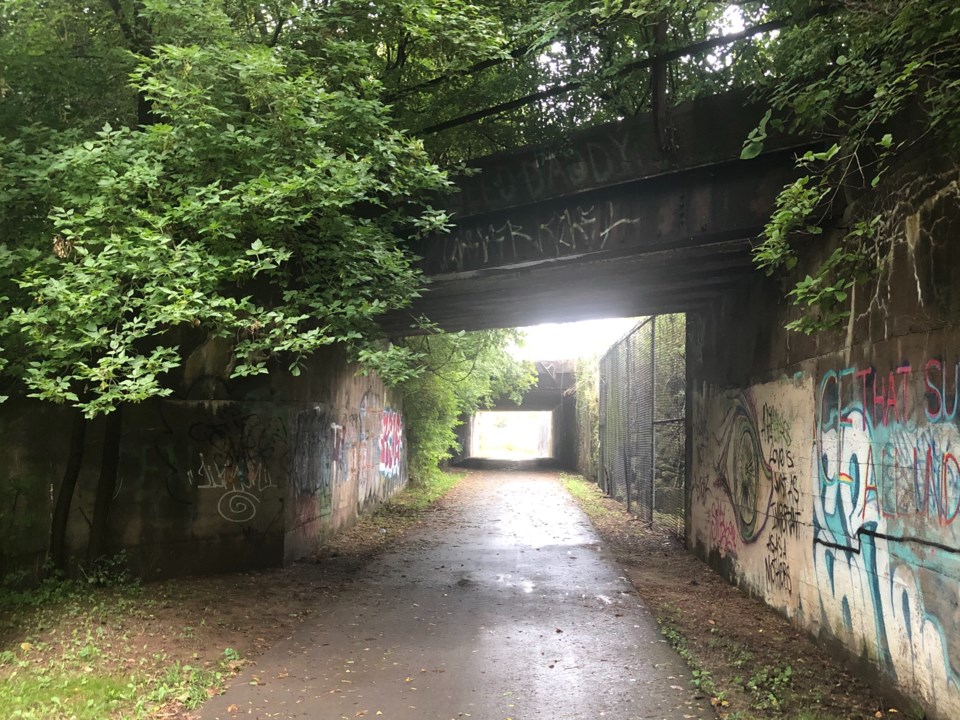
<point x="879" y="80"/>
<point x="264" y="205"/>
<point x="63" y="64"/>
<point x="460" y="373"/>
<point x="587" y="384"/>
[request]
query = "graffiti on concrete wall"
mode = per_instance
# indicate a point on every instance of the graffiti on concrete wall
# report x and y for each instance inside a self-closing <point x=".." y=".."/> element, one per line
<point x="338" y="458"/>
<point x="886" y="540"/>
<point x="838" y="500"/>
<point x="318" y="461"/>
<point x="242" y="455"/>
<point x="381" y="450"/>
<point x="785" y="514"/>
<point x="368" y="448"/>
<point x="747" y="487"/>
<point x="723" y="531"/>
<point x="391" y="445"/>
<point x="258" y="465"/>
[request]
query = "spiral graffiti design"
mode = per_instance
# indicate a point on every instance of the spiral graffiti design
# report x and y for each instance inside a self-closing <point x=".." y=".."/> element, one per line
<point x="746" y="475"/>
<point x="238" y="506"/>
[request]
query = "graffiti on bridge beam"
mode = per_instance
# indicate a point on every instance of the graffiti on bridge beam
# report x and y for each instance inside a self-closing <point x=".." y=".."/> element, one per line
<point x="597" y="162"/>
<point x="572" y="230"/>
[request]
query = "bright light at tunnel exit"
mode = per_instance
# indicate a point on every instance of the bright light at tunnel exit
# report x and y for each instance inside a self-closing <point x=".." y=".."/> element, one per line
<point x="562" y="341"/>
<point x="512" y="435"/>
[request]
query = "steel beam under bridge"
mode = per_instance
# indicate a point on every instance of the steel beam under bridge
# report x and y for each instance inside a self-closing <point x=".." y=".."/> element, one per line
<point x="608" y="224"/>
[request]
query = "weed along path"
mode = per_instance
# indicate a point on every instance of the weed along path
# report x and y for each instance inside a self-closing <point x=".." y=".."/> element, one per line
<point x="502" y="604"/>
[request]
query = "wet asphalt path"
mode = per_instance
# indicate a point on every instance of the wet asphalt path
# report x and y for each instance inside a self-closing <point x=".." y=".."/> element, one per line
<point x="503" y="604"/>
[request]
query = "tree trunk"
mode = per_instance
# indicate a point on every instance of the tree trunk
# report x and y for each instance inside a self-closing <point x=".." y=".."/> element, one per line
<point x="106" y="485"/>
<point x="658" y="91"/>
<point x="61" y="508"/>
<point x="139" y="36"/>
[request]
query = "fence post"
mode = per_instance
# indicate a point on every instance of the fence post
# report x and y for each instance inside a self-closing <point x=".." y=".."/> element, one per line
<point x="628" y="406"/>
<point x="653" y="414"/>
<point x="626" y="419"/>
<point x="601" y="428"/>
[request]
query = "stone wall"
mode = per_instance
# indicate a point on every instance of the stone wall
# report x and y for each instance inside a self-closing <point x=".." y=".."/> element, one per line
<point x="224" y="475"/>
<point x="825" y="472"/>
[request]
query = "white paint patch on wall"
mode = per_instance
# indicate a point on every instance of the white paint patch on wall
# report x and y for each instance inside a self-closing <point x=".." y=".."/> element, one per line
<point x="751" y="494"/>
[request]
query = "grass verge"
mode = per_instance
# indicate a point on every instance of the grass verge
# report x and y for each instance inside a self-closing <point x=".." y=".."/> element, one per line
<point x="82" y="649"/>
<point x="391" y="520"/>
<point x="417" y="497"/>
<point x="587" y="495"/>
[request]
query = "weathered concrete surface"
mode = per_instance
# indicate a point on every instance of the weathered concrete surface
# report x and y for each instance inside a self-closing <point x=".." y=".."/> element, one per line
<point x="504" y="605"/>
<point x="706" y="131"/>
<point x="584" y="288"/>
<point x="555" y="378"/>
<point x="606" y="223"/>
<point x="227" y="474"/>
<point x="824" y="471"/>
<point x="690" y="206"/>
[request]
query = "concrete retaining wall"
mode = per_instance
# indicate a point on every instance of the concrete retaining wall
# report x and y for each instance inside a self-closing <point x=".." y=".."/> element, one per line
<point x="223" y="476"/>
<point x="825" y="472"/>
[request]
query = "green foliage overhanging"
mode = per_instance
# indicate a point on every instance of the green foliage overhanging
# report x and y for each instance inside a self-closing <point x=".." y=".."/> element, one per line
<point x="880" y="80"/>
<point x="248" y="170"/>
<point x="264" y="202"/>
<point x="179" y="170"/>
<point x="461" y="373"/>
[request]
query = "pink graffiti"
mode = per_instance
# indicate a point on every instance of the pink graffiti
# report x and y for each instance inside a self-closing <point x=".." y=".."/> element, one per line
<point x="391" y="444"/>
<point x="722" y="530"/>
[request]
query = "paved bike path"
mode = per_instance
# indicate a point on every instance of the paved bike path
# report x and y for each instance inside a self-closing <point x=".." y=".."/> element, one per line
<point x="503" y="604"/>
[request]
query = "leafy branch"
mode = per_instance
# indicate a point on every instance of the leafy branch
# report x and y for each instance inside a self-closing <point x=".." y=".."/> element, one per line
<point x="878" y="80"/>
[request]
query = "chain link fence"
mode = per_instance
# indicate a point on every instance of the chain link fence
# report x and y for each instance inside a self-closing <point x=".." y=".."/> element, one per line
<point x="642" y="425"/>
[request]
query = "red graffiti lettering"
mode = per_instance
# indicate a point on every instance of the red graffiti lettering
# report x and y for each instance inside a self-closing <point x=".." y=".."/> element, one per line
<point x="933" y="395"/>
<point x="391" y="444"/>
<point x="722" y="530"/>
